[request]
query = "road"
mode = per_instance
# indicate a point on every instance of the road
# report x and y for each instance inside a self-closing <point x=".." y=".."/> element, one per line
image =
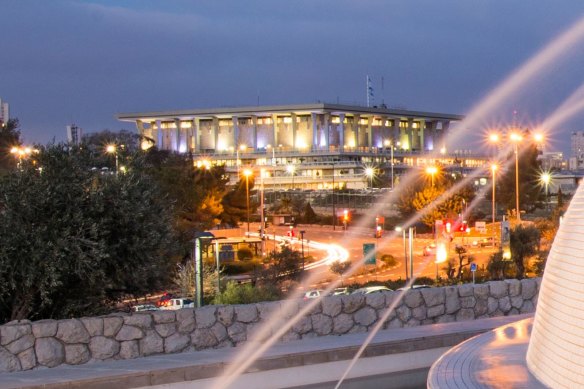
<point x="318" y="238"/>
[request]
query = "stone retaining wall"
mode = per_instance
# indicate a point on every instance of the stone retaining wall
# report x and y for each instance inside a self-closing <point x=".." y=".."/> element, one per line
<point x="27" y="345"/>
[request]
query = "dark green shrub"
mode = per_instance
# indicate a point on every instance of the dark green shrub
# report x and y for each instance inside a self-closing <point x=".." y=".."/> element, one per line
<point x="244" y="254"/>
<point x="247" y="294"/>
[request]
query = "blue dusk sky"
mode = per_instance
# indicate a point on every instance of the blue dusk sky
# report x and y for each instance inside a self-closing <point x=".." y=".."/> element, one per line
<point x="72" y="61"/>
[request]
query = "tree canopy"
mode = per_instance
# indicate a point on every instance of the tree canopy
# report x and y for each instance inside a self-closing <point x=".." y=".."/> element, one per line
<point x="73" y="241"/>
<point x="9" y="138"/>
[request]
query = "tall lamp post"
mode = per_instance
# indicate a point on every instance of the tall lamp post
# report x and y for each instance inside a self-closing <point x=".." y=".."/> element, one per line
<point x="545" y="179"/>
<point x="334" y="214"/>
<point x="247" y="173"/>
<point x="432" y="170"/>
<point x="112" y="149"/>
<point x="493" y="206"/>
<point x="403" y="231"/>
<point x="389" y="143"/>
<point x="516" y="138"/>
<point x="302" y="232"/>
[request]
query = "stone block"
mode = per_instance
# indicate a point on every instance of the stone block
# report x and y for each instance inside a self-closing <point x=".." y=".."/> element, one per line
<point x="395" y="323"/>
<point x="353" y="302"/>
<point x="404" y="313"/>
<point x="498" y="289"/>
<point x="163" y="317"/>
<point x="176" y="343"/>
<point x="165" y="329"/>
<point x="468" y="302"/>
<point x="205" y="316"/>
<point x="514" y="287"/>
<point x="481" y="307"/>
<point x="27" y="359"/>
<point x="76" y="354"/>
<point x="465" y="314"/>
<point x="185" y="320"/>
<point x="44" y="328"/>
<point x="303" y="325"/>
<point x="21" y="344"/>
<point x="492" y="305"/>
<point x="268" y="310"/>
<point x="129" y="333"/>
<point x="111" y="325"/>
<point x="465" y="290"/>
<point x="412" y="323"/>
<point x="452" y="300"/>
<point x="446" y="319"/>
<point x="322" y="324"/>
<point x="375" y="300"/>
<point x="219" y="331"/>
<point x="237" y="332"/>
<point x="342" y="323"/>
<point x="247" y="313"/>
<point x="226" y="314"/>
<point x="420" y="313"/>
<point x="141" y="320"/>
<point x="93" y="325"/>
<point x="9" y="362"/>
<point x="203" y="338"/>
<point x="527" y="307"/>
<point x="11" y="332"/>
<point x="528" y="288"/>
<point x="332" y="306"/>
<point x="435" y="311"/>
<point x="72" y="331"/>
<point x="516" y="302"/>
<point x="481" y="291"/>
<point x="129" y="349"/>
<point x="365" y="316"/>
<point x="151" y="343"/>
<point x="413" y="298"/>
<point x="49" y="352"/>
<point x="102" y="347"/>
<point x="505" y="304"/>
<point x="433" y="296"/>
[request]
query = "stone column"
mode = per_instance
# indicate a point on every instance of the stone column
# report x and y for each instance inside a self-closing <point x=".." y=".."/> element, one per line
<point x="421" y="132"/>
<point x="395" y="131"/>
<point x="197" y="135"/>
<point x="216" y="134"/>
<point x="294" y="130"/>
<point x="254" y="123"/>
<point x="275" y="129"/>
<point x="159" y="136"/>
<point x="315" y="143"/>
<point x="356" y="126"/>
<point x="327" y="129"/>
<point x="370" y="131"/>
<point x="341" y="130"/>
<point x="410" y="133"/>
<point x="236" y="140"/>
<point x="177" y="135"/>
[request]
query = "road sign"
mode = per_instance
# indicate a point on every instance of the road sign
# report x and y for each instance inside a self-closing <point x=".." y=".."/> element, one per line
<point x="481" y="227"/>
<point x="473" y="267"/>
<point x="369" y="253"/>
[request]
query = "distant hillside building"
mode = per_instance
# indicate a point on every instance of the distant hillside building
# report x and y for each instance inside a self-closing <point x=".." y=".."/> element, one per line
<point x="4" y="112"/>
<point x="552" y="160"/>
<point x="74" y="134"/>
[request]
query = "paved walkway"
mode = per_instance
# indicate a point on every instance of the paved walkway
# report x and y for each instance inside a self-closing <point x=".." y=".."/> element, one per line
<point x="492" y="360"/>
<point x="185" y="367"/>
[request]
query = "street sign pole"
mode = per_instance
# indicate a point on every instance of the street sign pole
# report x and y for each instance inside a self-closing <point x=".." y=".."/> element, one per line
<point x="473" y="269"/>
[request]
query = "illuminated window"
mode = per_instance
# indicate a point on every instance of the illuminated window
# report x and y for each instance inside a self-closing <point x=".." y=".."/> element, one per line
<point x="415" y="125"/>
<point x="287" y="120"/>
<point x="335" y="120"/>
<point x="186" y="124"/>
<point x="363" y="121"/>
<point x="403" y="124"/>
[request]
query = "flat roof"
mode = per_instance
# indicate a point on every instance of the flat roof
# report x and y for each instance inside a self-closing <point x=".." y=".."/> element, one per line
<point x="274" y="109"/>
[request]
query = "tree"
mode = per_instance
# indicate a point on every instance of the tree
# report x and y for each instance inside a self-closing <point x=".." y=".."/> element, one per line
<point x="462" y="253"/>
<point x="9" y="138"/>
<point x="235" y="203"/>
<point x="74" y="241"/>
<point x="247" y="294"/>
<point x="530" y="191"/>
<point x="340" y="268"/>
<point x="524" y="244"/>
<point x="285" y="264"/>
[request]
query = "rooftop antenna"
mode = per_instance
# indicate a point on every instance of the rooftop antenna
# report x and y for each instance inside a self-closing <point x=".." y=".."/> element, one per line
<point x="369" y="87"/>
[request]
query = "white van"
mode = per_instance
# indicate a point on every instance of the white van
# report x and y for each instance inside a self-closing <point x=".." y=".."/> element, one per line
<point x="173" y="304"/>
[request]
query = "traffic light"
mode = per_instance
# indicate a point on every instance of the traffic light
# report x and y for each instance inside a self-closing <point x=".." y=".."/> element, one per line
<point x="378" y="232"/>
<point x="346" y="215"/>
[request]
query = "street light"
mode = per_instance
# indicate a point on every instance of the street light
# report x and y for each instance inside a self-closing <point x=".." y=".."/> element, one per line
<point x="302" y="232"/>
<point x="242" y="148"/>
<point x="432" y="170"/>
<point x="494" y="168"/>
<point x="545" y="178"/>
<point x="516" y="138"/>
<point x="247" y="173"/>
<point x="113" y="149"/>
<point x="369" y="172"/>
<point x="333" y="192"/>
<point x="389" y="143"/>
<point x="21" y="153"/>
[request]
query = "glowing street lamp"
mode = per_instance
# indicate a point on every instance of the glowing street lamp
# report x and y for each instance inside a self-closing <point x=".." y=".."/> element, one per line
<point x="370" y="172"/>
<point x="545" y="179"/>
<point x="441" y="255"/>
<point x="403" y="231"/>
<point x="21" y="153"/>
<point x="432" y="170"/>
<point x="389" y="143"/>
<point x="246" y="174"/>
<point x="112" y="149"/>
<point x="516" y="138"/>
<point x="494" y="168"/>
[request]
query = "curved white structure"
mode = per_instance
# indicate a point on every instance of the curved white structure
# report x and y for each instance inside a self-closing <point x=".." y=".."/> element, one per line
<point x="556" y="348"/>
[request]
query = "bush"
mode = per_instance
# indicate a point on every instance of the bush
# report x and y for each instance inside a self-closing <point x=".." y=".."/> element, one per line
<point x="239" y="267"/>
<point x="247" y="294"/>
<point x="244" y="254"/>
<point x="388" y="260"/>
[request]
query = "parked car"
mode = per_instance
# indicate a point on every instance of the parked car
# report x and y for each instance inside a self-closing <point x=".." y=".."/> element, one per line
<point x="340" y="291"/>
<point x="177" y="303"/>
<point x="312" y="294"/>
<point x="415" y="287"/>
<point x="372" y="289"/>
<point x="429" y="250"/>
<point x="145" y="307"/>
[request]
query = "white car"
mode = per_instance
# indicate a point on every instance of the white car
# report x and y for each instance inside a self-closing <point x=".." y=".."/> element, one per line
<point x="312" y="294"/>
<point x="372" y="289"/>
<point x="178" y="303"/>
<point x="145" y="307"/>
